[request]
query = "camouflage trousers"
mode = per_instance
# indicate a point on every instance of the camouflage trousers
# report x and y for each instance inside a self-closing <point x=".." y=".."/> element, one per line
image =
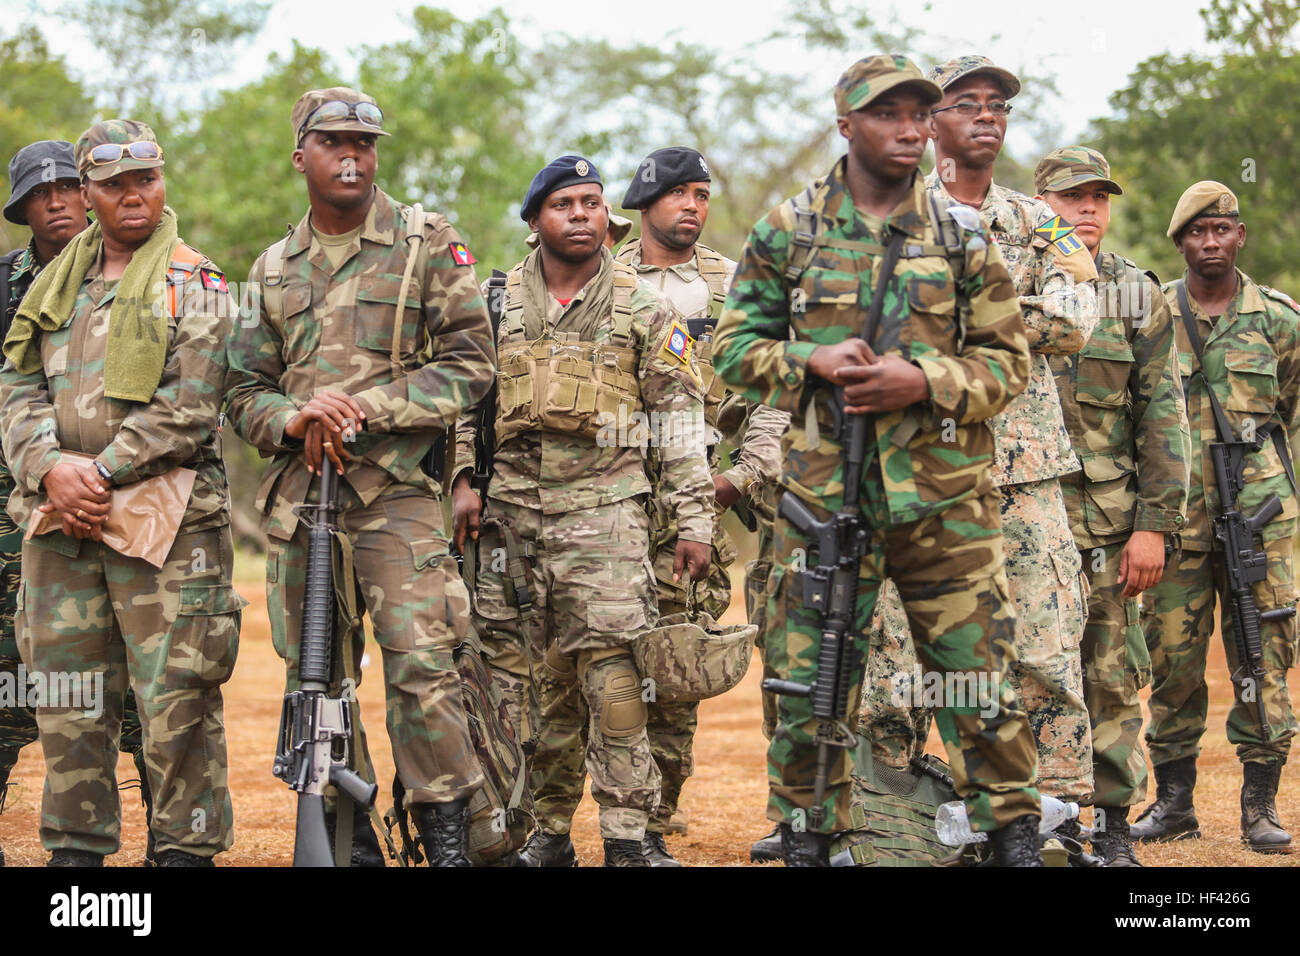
<point x="1178" y="620"/>
<point x="173" y="634"/>
<point x="949" y="572"/>
<point x="756" y="574"/>
<point x="591" y="592"/>
<point x="407" y="581"/>
<point x="1043" y="569"/>
<point x="1115" y="667"/>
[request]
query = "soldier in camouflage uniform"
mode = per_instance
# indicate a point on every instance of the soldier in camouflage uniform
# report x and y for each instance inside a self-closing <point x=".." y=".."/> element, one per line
<point x="324" y="374"/>
<point x="1123" y="405"/>
<point x="570" y="480"/>
<point x="82" y="377"/>
<point x="1055" y="279"/>
<point x="46" y="197"/>
<point x="806" y="277"/>
<point x="1251" y="343"/>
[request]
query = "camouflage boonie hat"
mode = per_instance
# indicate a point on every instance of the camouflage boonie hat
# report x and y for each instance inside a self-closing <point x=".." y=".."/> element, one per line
<point x="310" y="101"/>
<point x="122" y="131"/>
<point x="963" y="66"/>
<point x="1206" y="198"/>
<point x="1071" y="166"/>
<point x="870" y="77"/>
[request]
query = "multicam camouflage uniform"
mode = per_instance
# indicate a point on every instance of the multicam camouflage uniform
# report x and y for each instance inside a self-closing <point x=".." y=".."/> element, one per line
<point x="334" y="329"/>
<point x="18" y="724"/>
<point x="1058" y="302"/>
<point x="1123" y="405"/>
<point x="172" y="632"/>
<point x="1252" y="357"/>
<point x="578" y="505"/>
<point x="925" y="492"/>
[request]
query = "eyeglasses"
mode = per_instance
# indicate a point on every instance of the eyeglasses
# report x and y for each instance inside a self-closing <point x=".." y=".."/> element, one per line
<point x="106" y="153"/>
<point x="333" y="111"/>
<point x="997" y="108"/>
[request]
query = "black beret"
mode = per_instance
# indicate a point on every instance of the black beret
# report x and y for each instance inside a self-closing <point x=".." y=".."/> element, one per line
<point x="661" y="171"/>
<point x="557" y="174"/>
<point x="43" y="161"/>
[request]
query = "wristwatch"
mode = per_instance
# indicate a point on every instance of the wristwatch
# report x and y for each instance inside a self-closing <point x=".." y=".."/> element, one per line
<point x="104" y="472"/>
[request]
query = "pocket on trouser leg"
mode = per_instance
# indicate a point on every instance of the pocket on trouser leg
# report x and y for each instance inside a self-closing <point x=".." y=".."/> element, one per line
<point x="1072" y="597"/>
<point x="204" y="640"/>
<point x="276" y="575"/>
<point x="1137" y="659"/>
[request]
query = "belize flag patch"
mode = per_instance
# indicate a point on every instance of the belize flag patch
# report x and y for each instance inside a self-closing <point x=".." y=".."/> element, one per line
<point x="679" y="344"/>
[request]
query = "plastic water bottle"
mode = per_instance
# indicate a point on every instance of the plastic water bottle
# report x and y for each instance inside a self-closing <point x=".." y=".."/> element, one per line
<point x="953" y="827"/>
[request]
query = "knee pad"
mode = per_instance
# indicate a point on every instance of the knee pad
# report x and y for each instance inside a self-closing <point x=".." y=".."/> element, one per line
<point x="558" y="663"/>
<point x="622" y="711"/>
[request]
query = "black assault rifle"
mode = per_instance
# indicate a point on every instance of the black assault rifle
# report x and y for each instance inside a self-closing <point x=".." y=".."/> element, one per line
<point x="315" y="728"/>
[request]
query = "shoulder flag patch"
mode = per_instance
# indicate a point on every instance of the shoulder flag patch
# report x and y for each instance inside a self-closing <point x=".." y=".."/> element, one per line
<point x="1054" y="229"/>
<point x="1069" y="244"/>
<point x="679" y="344"/>
<point x="460" y="254"/>
<point x="213" y="280"/>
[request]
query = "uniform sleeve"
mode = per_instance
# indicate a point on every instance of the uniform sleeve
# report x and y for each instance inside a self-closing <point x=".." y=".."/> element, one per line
<point x="672" y="389"/>
<point x="183" y="412"/>
<point x="1159" y="420"/>
<point x="1060" y="311"/>
<point x="258" y="408"/>
<point x="462" y="368"/>
<point x="993" y="366"/>
<point x="759" y="460"/>
<point x="28" y="425"/>
<point x="752" y="350"/>
<point x="1288" y="374"/>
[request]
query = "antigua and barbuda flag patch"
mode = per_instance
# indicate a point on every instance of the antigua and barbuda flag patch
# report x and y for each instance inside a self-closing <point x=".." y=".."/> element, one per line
<point x="679" y="344"/>
<point x="460" y="254"/>
<point x="213" y="280"/>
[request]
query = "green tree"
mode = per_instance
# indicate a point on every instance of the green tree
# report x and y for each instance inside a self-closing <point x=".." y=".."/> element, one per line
<point x="41" y="101"/>
<point x="1228" y="117"/>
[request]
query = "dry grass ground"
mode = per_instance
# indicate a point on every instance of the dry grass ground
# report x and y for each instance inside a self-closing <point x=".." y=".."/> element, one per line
<point x="725" y="799"/>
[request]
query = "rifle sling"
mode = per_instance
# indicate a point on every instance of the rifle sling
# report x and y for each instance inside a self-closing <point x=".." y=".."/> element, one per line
<point x="1222" y="427"/>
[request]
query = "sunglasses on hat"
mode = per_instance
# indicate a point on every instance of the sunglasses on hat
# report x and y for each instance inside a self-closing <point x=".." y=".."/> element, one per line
<point x="334" y="111"/>
<point x="108" y="153"/>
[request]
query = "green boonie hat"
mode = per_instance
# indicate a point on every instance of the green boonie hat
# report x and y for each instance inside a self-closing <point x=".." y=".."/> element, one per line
<point x="873" y="75"/>
<point x="113" y="131"/>
<point x="963" y="66"/>
<point x="1071" y="166"/>
<point x="310" y="101"/>
<point x="1206" y="198"/>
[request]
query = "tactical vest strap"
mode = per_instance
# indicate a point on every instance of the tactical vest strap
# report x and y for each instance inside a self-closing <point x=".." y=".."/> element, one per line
<point x="804" y="235"/>
<point x="414" y="236"/>
<point x="184" y="261"/>
<point x="514" y="313"/>
<point x="625" y="281"/>
<point x="713" y="270"/>
<point x="273" y="279"/>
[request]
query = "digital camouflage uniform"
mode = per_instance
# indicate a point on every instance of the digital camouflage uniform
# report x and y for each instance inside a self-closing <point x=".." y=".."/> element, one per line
<point x="1252" y="357"/>
<point x="1123" y="406"/>
<point x="577" y="503"/>
<point x="18" y="724"/>
<point x="334" y="329"/>
<point x="1032" y="450"/>
<point x="173" y="632"/>
<point x="926" y="494"/>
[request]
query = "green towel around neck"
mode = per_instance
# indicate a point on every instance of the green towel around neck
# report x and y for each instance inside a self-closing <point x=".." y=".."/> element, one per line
<point x="137" y="320"/>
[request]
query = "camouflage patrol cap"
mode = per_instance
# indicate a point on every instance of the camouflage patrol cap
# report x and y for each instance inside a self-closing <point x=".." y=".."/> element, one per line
<point x="312" y="100"/>
<point x="122" y="131"/>
<point x="871" y="76"/>
<point x="1206" y="198"/>
<point x="1071" y="166"/>
<point x="963" y="66"/>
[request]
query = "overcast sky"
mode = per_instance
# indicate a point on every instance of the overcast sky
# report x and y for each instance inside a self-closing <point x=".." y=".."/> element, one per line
<point x="1090" y="54"/>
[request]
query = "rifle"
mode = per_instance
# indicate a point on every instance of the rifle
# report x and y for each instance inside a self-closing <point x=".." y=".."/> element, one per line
<point x="485" y="412"/>
<point x="830" y="587"/>
<point x="1235" y="532"/>
<point x="315" y="728"/>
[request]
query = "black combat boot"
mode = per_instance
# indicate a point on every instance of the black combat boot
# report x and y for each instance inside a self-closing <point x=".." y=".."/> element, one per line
<point x="547" y="849"/>
<point x="181" y="858"/>
<point x="1111" y="840"/>
<point x="804" y="848"/>
<point x="444" y="832"/>
<point x="146" y="795"/>
<point x="65" y="856"/>
<point x="624" y="853"/>
<point x="1017" y="843"/>
<point x="1070" y="833"/>
<point x="1261" y="830"/>
<point x="655" y="850"/>
<point x="1171" y="816"/>
<point x="365" y="845"/>
<point x="767" y="849"/>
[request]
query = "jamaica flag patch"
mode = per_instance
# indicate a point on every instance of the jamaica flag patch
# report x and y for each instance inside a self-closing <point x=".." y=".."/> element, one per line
<point x="1060" y="234"/>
